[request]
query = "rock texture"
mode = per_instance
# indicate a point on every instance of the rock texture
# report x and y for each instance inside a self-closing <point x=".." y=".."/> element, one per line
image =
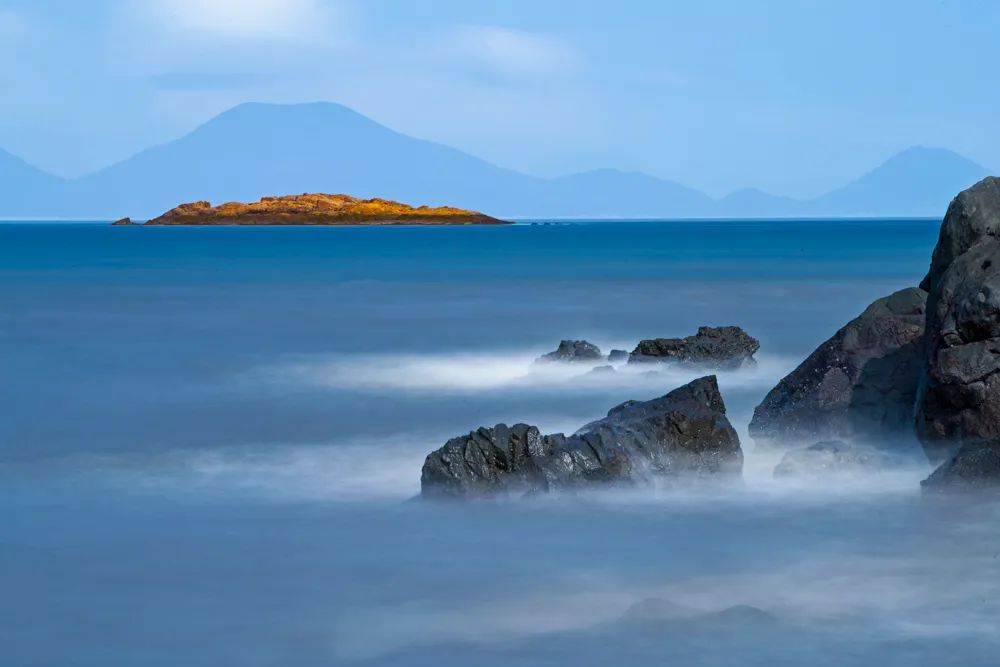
<point x="859" y="384"/>
<point x="721" y="347"/>
<point x="959" y="394"/>
<point x="574" y="350"/>
<point x="684" y="432"/>
<point x="974" y="466"/>
<point x="319" y="209"/>
<point x="829" y="457"/>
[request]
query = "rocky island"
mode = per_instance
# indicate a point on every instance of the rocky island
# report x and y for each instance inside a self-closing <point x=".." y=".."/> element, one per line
<point x="320" y="209"/>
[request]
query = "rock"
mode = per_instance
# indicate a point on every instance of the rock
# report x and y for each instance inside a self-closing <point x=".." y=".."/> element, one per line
<point x="123" y="221"/>
<point x="830" y="457"/>
<point x="974" y="466"/>
<point x="574" y="350"/>
<point x="685" y="432"/>
<point x="319" y="209"/>
<point x="959" y="392"/>
<point x="617" y="356"/>
<point x="721" y="347"/>
<point x="858" y="385"/>
<point x="972" y="216"/>
<point x="601" y="370"/>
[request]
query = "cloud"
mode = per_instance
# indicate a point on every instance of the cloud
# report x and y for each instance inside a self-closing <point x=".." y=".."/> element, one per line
<point x="515" y="52"/>
<point x="247" y="20"/>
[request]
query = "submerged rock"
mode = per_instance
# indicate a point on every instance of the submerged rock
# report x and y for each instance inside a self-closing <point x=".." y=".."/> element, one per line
<point x="973" y="466"/>
<point x="722" y="347"/>
<point x="832" y="456"/>
<point x="859" y="384"/>
<point x="617" y="355"/>
<point x="684" y="432"/>
<point x="573" y="350"/>
<point x="959" y="394"/>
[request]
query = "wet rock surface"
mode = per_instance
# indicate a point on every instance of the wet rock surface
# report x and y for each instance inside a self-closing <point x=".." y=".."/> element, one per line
<point x="685" y="432"/>
<point x="721" y="347"/>
<point x="859" y="384"/>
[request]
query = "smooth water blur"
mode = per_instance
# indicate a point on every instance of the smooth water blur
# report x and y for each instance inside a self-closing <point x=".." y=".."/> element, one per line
<point x="211" y="438"/>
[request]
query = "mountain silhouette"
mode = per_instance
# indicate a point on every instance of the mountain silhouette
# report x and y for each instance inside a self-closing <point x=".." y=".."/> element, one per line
<point x="254" y="149"/>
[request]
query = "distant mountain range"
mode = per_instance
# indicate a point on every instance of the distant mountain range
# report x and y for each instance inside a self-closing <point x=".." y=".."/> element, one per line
<point x="254" y="150"/>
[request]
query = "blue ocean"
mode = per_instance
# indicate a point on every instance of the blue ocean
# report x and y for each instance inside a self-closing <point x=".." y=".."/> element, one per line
<point x="211" y="441"/>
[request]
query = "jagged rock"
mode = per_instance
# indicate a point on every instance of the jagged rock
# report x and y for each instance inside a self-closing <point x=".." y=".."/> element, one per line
<point x="974" y="466"/>
<point x="684" y="432"/>
<point x="617" y="355"/>
<point x="574" y="350"/>
<point x="859" y="384"/>
<point x="123" y="221"/>
<point x="832" y="456"/>
<point x="959" y="393"/>
<point x="721" y="347"/>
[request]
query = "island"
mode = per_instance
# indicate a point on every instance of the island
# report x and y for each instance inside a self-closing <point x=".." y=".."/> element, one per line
<point x="319" y="209"/>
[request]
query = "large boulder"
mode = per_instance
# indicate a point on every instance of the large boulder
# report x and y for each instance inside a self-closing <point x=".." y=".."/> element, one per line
<point x="719" y="347"/>
<point x="573" y="350"/>
<point x="959" y="394"/>
<point x="976" y="465"/>
<point x="972" y="216"/>
<point x="685" y="432"/>
<point x="858" y="385"/>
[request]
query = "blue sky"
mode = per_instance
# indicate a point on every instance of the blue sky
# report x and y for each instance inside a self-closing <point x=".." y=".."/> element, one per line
<point x="791" y="97"/>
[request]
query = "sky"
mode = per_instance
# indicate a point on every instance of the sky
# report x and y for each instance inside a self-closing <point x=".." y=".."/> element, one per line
<point x="793" y="97"/>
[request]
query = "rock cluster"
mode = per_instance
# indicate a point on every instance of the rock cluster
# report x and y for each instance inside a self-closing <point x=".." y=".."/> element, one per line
<point x="725" y="347"/>
<point x="923" y="360"/>
<point x="683" y="432"/>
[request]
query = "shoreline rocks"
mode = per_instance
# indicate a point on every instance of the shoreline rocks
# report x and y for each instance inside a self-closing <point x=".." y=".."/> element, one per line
<point x="722" y="347"/>
<point x="858" y="385"/>
<point x="974" y="466"/>
<point x="685" y="432"/>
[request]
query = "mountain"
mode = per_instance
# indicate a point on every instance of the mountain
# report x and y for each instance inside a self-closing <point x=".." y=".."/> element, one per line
<point x="919" y="181"/>
<point x="254" y="150"/>
<point x="24" y="189"/>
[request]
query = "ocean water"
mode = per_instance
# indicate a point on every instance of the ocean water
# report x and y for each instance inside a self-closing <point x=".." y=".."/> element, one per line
<point x="211" y="440"/>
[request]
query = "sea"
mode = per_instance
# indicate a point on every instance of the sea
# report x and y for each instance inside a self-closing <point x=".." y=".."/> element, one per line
<point x="211" y="441"/>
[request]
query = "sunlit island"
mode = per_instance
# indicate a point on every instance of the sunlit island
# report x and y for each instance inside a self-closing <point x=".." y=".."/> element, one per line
<point x="317" y="209"/>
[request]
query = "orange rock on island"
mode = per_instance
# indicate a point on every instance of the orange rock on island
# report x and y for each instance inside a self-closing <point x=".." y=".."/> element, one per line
<point x="320" y="209"/>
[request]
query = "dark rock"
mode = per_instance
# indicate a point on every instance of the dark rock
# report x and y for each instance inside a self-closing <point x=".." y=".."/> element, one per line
<point x="858" y="385"/>
<point x="123" y="221"/>
<point x="574" y="350"/>
<point x="684" y="432"/>
<point x="830" y="457"/>
<point x="721" y="347"/>
<point x="972" y="216"/>
<point x="617" y="355"/>
<point x="959" y="393"/>
<point x="974" y="466"/>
